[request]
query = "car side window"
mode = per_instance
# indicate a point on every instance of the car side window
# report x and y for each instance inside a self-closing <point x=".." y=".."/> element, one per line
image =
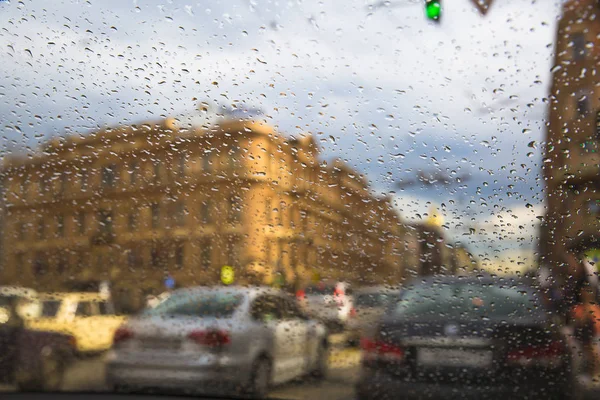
<point x="105" y="308"/>
<point x="291" y="310"/>
<point x="266" y="308"/>
<point x="84" y="309"/>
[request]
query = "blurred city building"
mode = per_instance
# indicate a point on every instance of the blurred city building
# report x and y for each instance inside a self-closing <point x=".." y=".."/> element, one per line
<point x="164" y="203"/>
<point x="571" y="163"/>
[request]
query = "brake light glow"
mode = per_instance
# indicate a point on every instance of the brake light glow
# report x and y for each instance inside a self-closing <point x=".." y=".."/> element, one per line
<point x="122" y="335"/>
<point x="210" y="338"/>
<point x="378" y="350"/>
<point x="550" y="355"/>
<point x="353" y="312"/>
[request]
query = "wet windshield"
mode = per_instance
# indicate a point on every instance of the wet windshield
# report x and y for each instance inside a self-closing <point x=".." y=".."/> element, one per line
<point x="227" y="196"/>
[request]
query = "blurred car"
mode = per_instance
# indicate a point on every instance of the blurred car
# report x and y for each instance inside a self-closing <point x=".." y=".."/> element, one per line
<point x="370" y="304"/>
<point x="31" y="359"/>
<point x="466" y="338"/>
<point x="220" y="339"/>
<point x="88" y="317"/>
<point x="331" y="303"/>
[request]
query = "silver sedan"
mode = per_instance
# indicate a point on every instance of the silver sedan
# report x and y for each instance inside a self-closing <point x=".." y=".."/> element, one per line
<point x="218" y="339"/>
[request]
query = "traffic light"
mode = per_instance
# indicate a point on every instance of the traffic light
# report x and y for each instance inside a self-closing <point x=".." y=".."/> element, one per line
<point x="433" y="10"/>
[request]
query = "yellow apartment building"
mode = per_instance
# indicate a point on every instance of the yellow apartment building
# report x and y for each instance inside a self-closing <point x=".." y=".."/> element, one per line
<point x="135" y="204"/>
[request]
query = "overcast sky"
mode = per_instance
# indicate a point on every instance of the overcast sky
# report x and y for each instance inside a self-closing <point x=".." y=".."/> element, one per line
<point x="382" y="88"/>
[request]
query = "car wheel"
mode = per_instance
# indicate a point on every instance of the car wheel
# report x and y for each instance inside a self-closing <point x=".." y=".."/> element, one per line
<point x="320" y="369"/>
<point x="261" y="378"/>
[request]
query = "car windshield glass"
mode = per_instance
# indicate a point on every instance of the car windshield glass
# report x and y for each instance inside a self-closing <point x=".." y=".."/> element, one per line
<point x="467" y="301"/>
<point x="217" y="305"/>
<point x="50" y="308"/>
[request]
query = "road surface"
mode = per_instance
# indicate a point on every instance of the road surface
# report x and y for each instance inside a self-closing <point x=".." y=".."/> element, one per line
<point x="88" y="375"/>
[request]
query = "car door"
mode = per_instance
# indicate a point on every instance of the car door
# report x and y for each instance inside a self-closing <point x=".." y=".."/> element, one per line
<point x="268" y="311"/>
<point x="299" y="346"/>
<point x="105" y="322"/>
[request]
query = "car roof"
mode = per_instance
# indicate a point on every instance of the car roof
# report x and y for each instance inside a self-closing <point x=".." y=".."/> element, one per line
<point x="474" y="280"/>
<point x="80" y="296"/>
<point x="243" y="290"/>
<point x="377" y="289"/>
<point x="17" y="291"/>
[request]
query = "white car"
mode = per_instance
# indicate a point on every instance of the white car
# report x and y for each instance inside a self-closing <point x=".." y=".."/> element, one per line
<point x="88" y="317"/>
<point x="221" y="339"/>
<point x="331" y="303"/>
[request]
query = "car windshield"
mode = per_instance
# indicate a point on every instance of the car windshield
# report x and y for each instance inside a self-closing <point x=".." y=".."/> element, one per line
<point x="467" y="301"/>
<point x="320" y="290"/>
<point x="217" y="305"/>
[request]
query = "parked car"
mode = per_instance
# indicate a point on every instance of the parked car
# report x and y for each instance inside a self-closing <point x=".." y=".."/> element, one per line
<point x="331" y="303"/>
<point x="467" y="338"/>
<point x="219" y="339"/>
<point x="31" y="359"/>
<point x="89" y="317"/>
<point x="370" y="304"/>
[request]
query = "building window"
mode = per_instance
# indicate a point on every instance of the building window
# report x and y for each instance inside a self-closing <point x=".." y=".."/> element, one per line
<point x="582" y="105"/>
<point x="133" y="258"/>
<point x="180" y="214"/>
<point x="157" y="171"/>
<point x="132" y="222"/>
<point x="232" y="255"/>
<point x="235" y="212"/>
<point x="105" y="221"/>
<point x="268" y="210"/>
<point x="60" y="225"/>
<point x="83" y="179"/>
<point x="63" y="184"/>
<point x="41" y="229"/>
<point x="206" y="164"/>
<point x="182" y="165"/>
<point x="133" y="173"/>
<point x="179" y="255"/>
<point x="21" y="231"/>
<point x="205" y="210"/>
<point x="155" y="211"/>
<point x="43" y="185"/>
<point x="206" y="254"/>
<point x="19" y="261"/>
<point x="25" y="186"/>
<point x="81" y="222"/>
<point x="234" y="155"/>
<point x="579" y="51"/>
<point x="61" y="263"/>
<point x="109" y="174"/>
<point x="154" y="256"/>
<point x="39" y="264"/>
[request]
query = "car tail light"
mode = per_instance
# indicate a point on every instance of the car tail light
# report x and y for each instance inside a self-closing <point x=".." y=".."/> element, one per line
<point x="374" y="350"/>
<point x="211" y="338"/>
<point x="353" y="312"/>
<point x="300" y="294"/>
<point x="121" y="335"/>
<point x="72" y="342"/>
<point x="548" y="355"/>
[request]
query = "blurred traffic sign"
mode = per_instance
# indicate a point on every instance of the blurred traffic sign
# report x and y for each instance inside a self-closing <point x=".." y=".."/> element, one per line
<point x="169" y="282"/>
<point x="227" y="275"/>
<point x="483" y="5"/>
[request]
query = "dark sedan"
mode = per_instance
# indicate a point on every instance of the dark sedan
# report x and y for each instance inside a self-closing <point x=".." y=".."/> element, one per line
<point x="454" y="337"/>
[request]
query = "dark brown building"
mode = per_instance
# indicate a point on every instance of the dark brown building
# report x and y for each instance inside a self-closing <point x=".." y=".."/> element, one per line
<point x="571" y="163"/>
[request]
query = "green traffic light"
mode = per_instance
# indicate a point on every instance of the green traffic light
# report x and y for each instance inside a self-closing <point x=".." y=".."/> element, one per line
<point x="433" y="10"/>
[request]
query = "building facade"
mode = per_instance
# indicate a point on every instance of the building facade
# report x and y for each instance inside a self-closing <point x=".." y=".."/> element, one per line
<point x="571" y="163"/>
<point x="135" y="205"/>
